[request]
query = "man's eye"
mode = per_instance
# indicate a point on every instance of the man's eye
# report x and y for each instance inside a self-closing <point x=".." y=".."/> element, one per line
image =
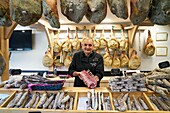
<point x="87" y="44"/>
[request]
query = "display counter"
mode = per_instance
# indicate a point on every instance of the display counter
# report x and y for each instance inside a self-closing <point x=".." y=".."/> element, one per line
<point x="78" y="93"/>
<point x="70" y="81"/>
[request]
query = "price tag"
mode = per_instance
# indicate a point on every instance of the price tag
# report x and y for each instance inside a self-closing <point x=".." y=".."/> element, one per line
<point x="115" y="71"/>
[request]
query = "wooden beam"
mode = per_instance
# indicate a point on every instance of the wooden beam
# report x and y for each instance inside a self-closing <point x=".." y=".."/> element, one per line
<point x="50" y="36"/>
<point x="131" y="35"/>
<point x="9" y="30"/>
<point x="5" y="33"/>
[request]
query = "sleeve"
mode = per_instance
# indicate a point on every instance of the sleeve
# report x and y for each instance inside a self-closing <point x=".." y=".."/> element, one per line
<point x="100" y="68"/>
<point x="72" y="66"/>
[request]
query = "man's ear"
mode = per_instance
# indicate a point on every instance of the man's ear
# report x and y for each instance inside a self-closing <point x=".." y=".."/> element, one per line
<point x="81" y="44"/>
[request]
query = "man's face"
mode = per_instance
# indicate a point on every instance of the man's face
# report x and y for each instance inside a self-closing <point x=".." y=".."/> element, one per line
<point x="87" y="46"/>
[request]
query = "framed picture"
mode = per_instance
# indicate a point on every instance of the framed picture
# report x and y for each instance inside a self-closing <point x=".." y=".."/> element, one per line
<point x="162" y="36"/>
<point x="161" y="51"/>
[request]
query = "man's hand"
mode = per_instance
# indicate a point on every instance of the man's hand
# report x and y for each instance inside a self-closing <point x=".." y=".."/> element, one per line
<point x="76" y="73"/>
<point x="96" y="78"/>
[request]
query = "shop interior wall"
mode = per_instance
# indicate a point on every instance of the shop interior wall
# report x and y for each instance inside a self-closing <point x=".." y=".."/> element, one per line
<point x="32" y="60"/>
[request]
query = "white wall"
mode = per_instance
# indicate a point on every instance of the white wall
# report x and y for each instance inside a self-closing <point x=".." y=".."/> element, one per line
<point x="151" y="62"/>
<point x="32" y="60"/>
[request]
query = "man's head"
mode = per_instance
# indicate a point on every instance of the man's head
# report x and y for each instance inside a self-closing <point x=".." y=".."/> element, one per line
<point x="87" y="45"/>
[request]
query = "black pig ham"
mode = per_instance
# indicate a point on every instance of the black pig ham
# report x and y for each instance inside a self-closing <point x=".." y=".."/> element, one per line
<point x="74" y="10"/>
<point x="160" y="12"/>
<point x="139" y="10"/>
<point x="119" y="8"/>
<point x="5" y="19"/>
<point x="97" y="11"/>
<point x="51" y="13"/>
<point x="25" y="12"/>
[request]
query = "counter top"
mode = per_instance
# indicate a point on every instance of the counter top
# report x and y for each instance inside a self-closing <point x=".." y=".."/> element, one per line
<point x="71" y="80"/>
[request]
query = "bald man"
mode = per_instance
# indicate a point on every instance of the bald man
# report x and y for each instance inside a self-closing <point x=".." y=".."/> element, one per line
<point x="87" y="59"/>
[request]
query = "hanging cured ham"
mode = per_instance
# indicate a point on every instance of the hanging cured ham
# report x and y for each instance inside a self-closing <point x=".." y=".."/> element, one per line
<point x="57" y="45"/>
<point x="51" y="13"/>
<point x="97" y="11"/>
<point x="62" y="56"/>
<point x="113" y="43"/>
<point x="66" y="45"/>
<point x="74" y="10"/>
<point x="134" y="61"/>
<point x="149" y="47"/>
<point x="119" y="8"/>
<point x="5" y="19"/>
<point x="103" y="41"/>
<point x="2" y="63"/>
<point x="67" y="60"/>
<point x="124" y="60"/>
<point x="139" y="10"/>
<point x="96" y="42"/>
<point x="76" y="42"/>
<point x="123" y="43"/>
<point x="25" y="12"/>
<point x="57" y="62"/>
<point x="47" y="59"/>
<point x="107" y="58"/>
<point x="116" y="61"/>
<point x="160" y="12"/>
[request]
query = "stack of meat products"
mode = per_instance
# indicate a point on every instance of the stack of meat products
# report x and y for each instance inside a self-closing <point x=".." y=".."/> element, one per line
<point x="139" y="10"/>
<point x="123" y="43"/>
<point x="134" y="61"/>
<point x="160" y="12"/>
<point x="51" y="13"/>
<point x="119" y="8"/>
<point x="103" y="41"/>
<point x="158" y="80"/>
<point x="88" y="79"/>
<point x="2" y="63"/>
<point x="116" y="60"/>
<point x="107" y="58"/>
<point x="74" y="10"/>
<point x="124" y="60"/>
<point x="76" y="43"/>
<point x="25" y="12"/>
<point x="57" y="46"/>
<point x="149" y="47"/>
<point x="97" y="10"/>
<point x="47" y="59"/>
<point x="113" y="43"/>
<point x="5" y="19"/>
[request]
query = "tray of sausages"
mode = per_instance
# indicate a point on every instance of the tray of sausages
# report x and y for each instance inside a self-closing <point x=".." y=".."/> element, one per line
<point x="57" y="85"/>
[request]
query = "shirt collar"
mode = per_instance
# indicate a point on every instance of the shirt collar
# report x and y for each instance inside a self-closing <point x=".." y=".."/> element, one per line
<point x="83" y="54"/>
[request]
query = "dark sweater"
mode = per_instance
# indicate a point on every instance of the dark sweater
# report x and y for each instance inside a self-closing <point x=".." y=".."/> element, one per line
<point x="81" y="62"/>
